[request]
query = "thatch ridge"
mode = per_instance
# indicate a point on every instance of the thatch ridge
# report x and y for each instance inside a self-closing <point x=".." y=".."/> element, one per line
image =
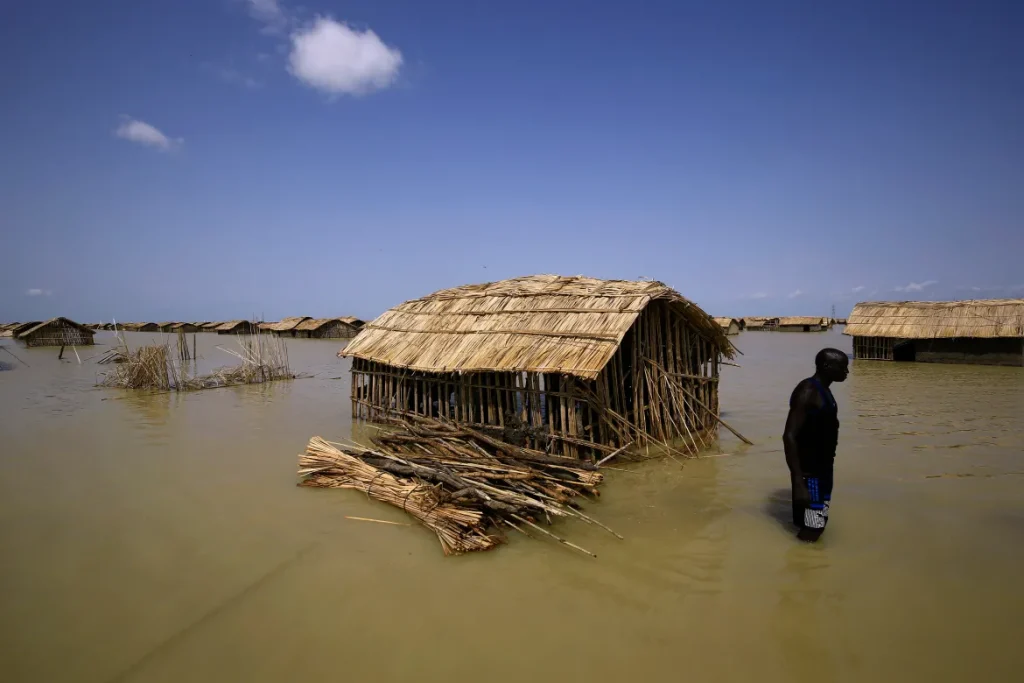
<point x="285" y="324"/>
<point x="29" y="330"/>
<point x="539" y="323"/>
<point x="978" y="318"/>
<point x="797" y="320"/>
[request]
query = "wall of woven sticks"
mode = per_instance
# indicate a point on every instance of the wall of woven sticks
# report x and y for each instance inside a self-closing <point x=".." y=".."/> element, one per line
<point x="659" y="388"/>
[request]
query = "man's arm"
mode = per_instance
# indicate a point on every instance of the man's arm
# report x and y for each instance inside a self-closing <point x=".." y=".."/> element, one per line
<point x="800" y="403"/>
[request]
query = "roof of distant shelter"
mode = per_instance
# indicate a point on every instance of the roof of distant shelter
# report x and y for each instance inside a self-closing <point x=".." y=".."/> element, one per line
<point x="310" y="324"/>
<point x="937" y="319"/>
<point x="285" y="324"/>
<point x="725" y="322"/>
<point x="29" y="330"/>
<point x="539" y="323"/>
<point x="802" y="320"/>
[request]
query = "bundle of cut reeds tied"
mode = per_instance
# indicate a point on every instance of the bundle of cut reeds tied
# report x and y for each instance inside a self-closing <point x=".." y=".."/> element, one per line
<point x="460" y="482"/>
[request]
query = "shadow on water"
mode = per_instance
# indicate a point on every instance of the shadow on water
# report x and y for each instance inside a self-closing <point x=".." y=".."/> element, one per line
<point x="779" y="506"/>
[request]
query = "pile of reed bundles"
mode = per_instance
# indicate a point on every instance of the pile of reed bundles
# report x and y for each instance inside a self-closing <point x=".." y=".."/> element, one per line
<point x="459" y="482"/>
<point x="263" y="359"/>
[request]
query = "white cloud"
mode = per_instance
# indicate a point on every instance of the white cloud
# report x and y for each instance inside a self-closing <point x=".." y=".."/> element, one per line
<point x="269" y="13"/>
<point x="37" y="292"/>
<point x="759" y="295"/>
<point x="145" y="134"/>
<point x="858" y="289"/>
<point x="795" y="293"/>
<point x="332" y="57"/>
<point x="917" y="286"/>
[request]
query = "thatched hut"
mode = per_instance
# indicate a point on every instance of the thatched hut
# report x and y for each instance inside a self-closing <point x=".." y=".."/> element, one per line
<point x="985" y="331"/>
<point x="184" y="327"/>
<point x="326" y="328"/>
<point x="803" y="323"/>
<point x="146" y="327"/>
<point x="56" y="332"/>
<point x="166" y="326"/>
<point x="237" y="327"/>
<point x="286" y="326"/>
<point x="210" y="326"/>
<point x="573" y="365"/>
<point x="760" y="324"/>
<point x="840" y="321"/>
<point x="730" y="326"/>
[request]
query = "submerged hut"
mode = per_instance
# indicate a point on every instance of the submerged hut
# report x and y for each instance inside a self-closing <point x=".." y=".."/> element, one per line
<point x="983" y="331"/>
<point x="730" y="326"/>
<point x="56" y="332"/>
<point x="760" y="324"/>
<point x="326" y="328"/>
<point x="802" y="323"/>
<point x="237" y="327"/>
<point x="184" y="327"/>
<point x="17" y="328"/>
<point x="573" y="365"/>
<point x="286" y="326"/>
<point x="166" y="326"/>
<point x="145" y="327"/>
<point x="210" y="326"/>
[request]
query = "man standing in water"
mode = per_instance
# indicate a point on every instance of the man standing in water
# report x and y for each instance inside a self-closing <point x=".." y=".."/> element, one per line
<point x="811" y="436"/>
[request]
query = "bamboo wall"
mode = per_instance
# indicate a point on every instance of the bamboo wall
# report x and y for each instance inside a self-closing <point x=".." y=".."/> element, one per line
<point x="660" y="387"/>
<point x="873" y="348"/>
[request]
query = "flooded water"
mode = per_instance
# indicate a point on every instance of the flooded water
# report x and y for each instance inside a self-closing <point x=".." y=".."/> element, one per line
<point x="152" y="538"/>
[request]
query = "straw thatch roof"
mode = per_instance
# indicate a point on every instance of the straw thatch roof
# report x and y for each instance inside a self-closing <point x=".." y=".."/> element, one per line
<point x="22" y="327"/>
<point x="540" y="323"/>
<point x="981" y="318"/>
<point x="233" y="324"/>
<point x="285" y="324"/>
<point x="24" y="331"/>
<point x="352" y="320"/>
<point x="725" y="322"/>
<point x="212" y="325"/>
<point x="311" y="324"/>
<point x="800" y="320"/>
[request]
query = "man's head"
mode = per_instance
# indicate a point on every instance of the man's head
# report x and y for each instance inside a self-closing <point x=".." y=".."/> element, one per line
<point x="832" y="365"/>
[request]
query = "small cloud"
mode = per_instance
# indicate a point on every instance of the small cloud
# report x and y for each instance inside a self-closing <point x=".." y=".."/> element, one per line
<point x="235" y="77"/>
<point x="270" y="14"/>
<point x="146" y="134"/>
<point x="794" y="294"/>
<point x="858" y="289"/>
<point x="917" y="286"/>
<point x="37" y="292"/>
<point x="759" y="295"/>
<point x="339" y="60"/>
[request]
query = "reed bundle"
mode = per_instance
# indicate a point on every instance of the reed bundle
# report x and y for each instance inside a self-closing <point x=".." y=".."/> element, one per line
<point x="457" y="481"/>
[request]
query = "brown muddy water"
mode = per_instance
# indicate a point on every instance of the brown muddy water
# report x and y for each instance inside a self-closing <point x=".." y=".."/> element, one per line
<point x="162" y="538"/>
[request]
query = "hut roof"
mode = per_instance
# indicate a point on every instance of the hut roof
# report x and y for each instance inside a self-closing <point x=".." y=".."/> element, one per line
<point x="168" y="323"/>
<point x="725" y="322"/>
<point x="352" y="320"/>
<point x="937" y="319"/>
<point x="231" y="324"/>
<point x="212" y="325"/>
<point x="793" y="320"/>
<point x="25" y="331"/>
<point x="310" y="324"/>
<point x="18" y="328"/>
<point x="540" y="323"/>
<point x="286" y="324"/>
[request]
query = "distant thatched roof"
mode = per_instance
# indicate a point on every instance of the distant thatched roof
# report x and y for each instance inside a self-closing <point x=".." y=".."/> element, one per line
<point x="25" y="331"/>
<point x="310" y="324"/>
<point x="799" y="320"/>
<point x="541" y="323"/>
<point x="937" y="319"/>
<point x="725" y="322"/>
<point x="352" y="320"/>
<point x="232" y="324"/>
<point x="211" y="325"/>
<point x="21" y="327"/>
<point x="285" y="325"/>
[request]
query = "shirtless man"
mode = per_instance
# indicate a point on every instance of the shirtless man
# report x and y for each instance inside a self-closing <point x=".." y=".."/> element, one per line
<point x="811" y="436"/>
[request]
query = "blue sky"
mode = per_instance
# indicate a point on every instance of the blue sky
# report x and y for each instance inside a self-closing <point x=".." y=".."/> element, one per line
<point x="186" y="159"/>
